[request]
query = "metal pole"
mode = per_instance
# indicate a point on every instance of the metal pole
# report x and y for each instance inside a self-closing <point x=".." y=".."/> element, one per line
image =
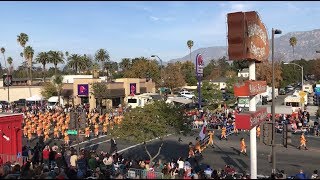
<point x="199" y="91"/>
<point x="302" y="77"/>
<point x="253" y="131"/>
<point x="273" y="111"/>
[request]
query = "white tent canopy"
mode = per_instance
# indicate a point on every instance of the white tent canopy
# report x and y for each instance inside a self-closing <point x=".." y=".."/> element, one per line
<point x="35" y="98"/>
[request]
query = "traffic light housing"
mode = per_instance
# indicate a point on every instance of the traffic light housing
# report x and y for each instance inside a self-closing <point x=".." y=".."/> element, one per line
<point x="267" y="133"/>
<point x="286" y="136"/>
<point x="315" y="100"/>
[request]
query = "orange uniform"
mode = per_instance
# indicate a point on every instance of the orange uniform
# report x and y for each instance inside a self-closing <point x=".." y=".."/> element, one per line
<point x="66" y="138"/>
<point x="87" y="132"/>
<point x="258" y="131"/>
<point x="210" y="142"/>
<point x="243" y="146"/>
<point x="303" y="142"/>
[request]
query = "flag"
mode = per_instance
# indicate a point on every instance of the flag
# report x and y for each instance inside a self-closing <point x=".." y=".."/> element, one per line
<point x="202" y="133"/>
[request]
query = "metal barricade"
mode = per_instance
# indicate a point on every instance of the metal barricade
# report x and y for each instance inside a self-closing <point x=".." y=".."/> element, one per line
<point x="14" y="159"/>
<point x="143" y="174"/>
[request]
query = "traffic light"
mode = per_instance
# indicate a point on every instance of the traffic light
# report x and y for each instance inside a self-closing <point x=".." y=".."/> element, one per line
<point x="286" y="135"/>
<point x="267" y="133"/>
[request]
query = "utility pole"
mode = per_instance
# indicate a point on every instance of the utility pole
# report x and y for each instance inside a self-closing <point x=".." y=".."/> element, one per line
<point x="273" y="152"/>
<point x="253" y="131"/>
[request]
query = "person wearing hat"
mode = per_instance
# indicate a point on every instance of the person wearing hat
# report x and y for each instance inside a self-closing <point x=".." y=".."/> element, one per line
<point x="210" y="142"/>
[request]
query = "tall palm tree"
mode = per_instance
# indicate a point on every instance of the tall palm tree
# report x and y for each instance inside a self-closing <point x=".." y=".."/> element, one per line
<point x="22" y="39"/>
<point x="28" y="55"/>
<point x="102" y="56"/>
<point x="43" y="58"/>
<point x="293" y="43"/>
<point x="3" y="50"/>
<point x="125" y="64"/>
<point x="190" y="44"/>
<point x="10" y="68"/>
<point x="74" y="61"/>
<point x="56" y="57"/>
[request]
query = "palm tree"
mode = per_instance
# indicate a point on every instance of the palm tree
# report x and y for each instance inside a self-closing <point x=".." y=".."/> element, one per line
<point x="125" y="64"/>
<point x="56" y="57"/>
<point x="102" y="56"/>
<point x="3" y="50"/>
<point x="74" y="61"/>
<point x="22" y="39"/>
<point x="10" y="68"/>
<point x="58" y="82"/>
<point x="43" y="58"/>
<point x="28" y="55"/>
<point x="190" y="44"/>
<point x="293" y="43"/>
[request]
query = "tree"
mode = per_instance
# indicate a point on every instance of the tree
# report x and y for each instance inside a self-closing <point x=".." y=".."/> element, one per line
<point x="264" y="72"/>
<point x="48" y="90"/>
<point x="102" y="56"/>
<point x="208" y="69"/>
<point x="125" y="64"/>
<point x="56" y="57"/>
<point x="28" y="54"/>
<point x="315" y="69"/>
<point x="43" y="58"/>
<point x="190" y="45"/>
<point x="173" y="77"/>
<point x="74" y="61"/>
<point x="188" y="71"/>
<point x="3" y="50"/>
<point x="154" y="120"/>
<point x="293" y="43"/>
<point x="23" y="39"/>
<point x="210" y="92"/>
<point x="58" y="83"/>
<point x="144" y="68"/>
<point x="99" y="90"/>
<point x="10" y="68"/>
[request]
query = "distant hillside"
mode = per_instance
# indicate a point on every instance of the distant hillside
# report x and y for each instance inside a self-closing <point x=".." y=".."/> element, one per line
<point x="307" y="44"/>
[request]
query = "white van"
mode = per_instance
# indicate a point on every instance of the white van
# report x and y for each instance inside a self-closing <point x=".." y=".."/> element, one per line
<point x="186" y="94"/>
<point x="307" y="88"/>
<point x="53" y="101"/>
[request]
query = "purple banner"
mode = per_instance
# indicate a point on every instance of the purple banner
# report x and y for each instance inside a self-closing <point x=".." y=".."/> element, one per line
<point x="133" y="89"/>
<point x="83" y="89"/>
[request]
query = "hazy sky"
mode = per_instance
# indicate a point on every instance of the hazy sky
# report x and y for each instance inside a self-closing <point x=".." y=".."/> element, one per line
<point x="134" y="29"/>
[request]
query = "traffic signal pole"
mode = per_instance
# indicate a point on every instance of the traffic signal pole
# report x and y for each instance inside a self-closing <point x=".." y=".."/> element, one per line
<point x="253" y="131"/>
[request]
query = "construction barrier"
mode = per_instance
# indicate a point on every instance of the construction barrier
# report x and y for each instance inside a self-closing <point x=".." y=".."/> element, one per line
<point x="143" y="174"/>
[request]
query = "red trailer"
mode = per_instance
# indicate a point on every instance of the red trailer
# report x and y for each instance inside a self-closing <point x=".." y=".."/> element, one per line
<point x="10" y="135"/>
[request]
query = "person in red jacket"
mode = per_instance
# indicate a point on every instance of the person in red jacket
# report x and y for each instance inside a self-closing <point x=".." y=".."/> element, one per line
<point x="45" y="155"/>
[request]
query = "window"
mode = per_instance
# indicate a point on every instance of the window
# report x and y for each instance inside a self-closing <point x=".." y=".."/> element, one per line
<point x="132" y="100"/>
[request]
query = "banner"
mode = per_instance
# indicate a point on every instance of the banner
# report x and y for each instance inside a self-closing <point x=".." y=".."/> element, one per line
<point x="199" y="65"/>
<point x="83" y="90"/>
<point x="133" y="89"/>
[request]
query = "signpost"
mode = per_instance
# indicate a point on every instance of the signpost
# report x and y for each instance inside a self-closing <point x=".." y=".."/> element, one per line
<point x="250" y="119"/>
<point x="250" y="88"/>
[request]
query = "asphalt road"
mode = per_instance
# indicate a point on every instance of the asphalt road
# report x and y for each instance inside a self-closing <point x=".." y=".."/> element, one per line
<point x="225" y="152"/>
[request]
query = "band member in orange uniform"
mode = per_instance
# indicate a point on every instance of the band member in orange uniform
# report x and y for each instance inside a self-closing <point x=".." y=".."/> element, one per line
<point x="197" y="147"/>
<point x="66" y="139"/>
<point x="243" y="147"/>
<point x="210" y="142"/>
<point x="56" y="132"/>
<point x="191" y="150"/>
<point x="46" y="134"/>
<point x="223" y="133"/>
<point x="235" y="130"/>
<point x="303" y="142"/>
<point x="96" y="129"/>
<point x="105" y="128"/>
<point x="87" y="132"/>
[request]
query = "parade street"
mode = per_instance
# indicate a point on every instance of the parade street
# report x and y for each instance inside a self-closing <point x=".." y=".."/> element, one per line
<point x="225" y="152"/>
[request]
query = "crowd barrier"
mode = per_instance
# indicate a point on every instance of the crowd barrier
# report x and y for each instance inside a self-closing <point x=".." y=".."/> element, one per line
<point x="143" y="174"/>
<point x="13" y="158"/>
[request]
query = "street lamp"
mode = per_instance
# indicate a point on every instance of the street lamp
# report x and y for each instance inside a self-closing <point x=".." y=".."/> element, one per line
<point x="161" y="68"/>
<point x="301" y="71"/>
<point x="273" y="152"/>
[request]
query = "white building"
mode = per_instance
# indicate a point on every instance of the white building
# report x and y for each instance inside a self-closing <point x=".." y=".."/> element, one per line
<point x="221" y="82"/>
<point x="244" y="73"/>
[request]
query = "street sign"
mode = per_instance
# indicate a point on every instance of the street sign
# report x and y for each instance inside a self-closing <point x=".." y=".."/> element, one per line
<point x="72" y="132"/>
<point x="249" y="88"/>
<point x="302" y="99"/>
<point x="302" y="93"/>
<point x="199" y="65"/>
<point x="248" y="120"/>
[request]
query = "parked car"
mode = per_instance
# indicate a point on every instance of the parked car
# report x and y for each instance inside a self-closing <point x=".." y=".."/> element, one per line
<point x="186" y="94"/>
<point x="289" y="88"/>
<point x="282" y="91"/>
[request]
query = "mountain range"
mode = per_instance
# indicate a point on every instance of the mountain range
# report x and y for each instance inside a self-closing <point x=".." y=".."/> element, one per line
<point x="308" y="42"/>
